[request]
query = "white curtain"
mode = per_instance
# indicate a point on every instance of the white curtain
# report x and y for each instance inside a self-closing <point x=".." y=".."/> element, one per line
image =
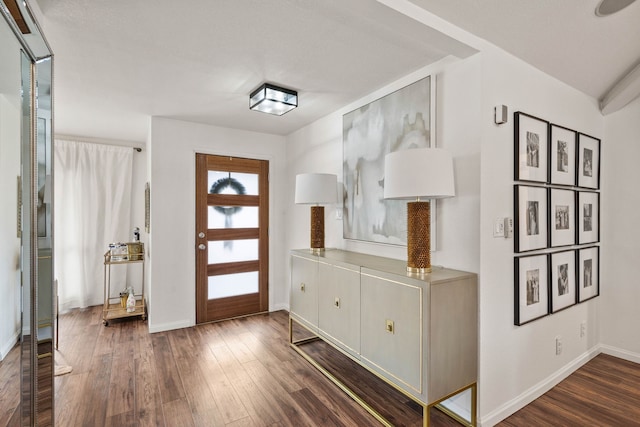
<point x="92" y="209"/>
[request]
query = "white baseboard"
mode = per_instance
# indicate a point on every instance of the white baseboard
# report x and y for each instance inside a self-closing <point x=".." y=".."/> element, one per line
<point x="170" y="326"/>
<point x="620" y="353"/>
<point x="8" y="345"/>
<point x="186" y="323"/>
<point x="519" y="402"/>
<point x="278" y="307"/>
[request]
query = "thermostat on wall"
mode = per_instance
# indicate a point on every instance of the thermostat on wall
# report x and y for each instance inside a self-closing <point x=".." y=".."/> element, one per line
<point x="500" y="114"/>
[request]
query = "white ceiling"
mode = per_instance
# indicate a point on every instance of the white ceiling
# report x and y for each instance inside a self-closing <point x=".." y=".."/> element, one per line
<point x="119" y="62"/>
<point x="562" y="38"/>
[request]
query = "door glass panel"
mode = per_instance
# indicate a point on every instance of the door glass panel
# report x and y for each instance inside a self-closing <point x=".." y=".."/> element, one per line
<point x="229" y="285"/>
<point x="221" y="182"/>
<point x="232" y="217"/>
<point x="233" y="251"/>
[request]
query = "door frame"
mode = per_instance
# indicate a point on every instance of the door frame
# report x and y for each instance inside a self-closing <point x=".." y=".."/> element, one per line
<point x="201" y="256"/>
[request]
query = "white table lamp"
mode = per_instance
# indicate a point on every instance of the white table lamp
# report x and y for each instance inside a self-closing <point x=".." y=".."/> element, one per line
<point x="415" y="174"/>
<point x="316" y="189"/>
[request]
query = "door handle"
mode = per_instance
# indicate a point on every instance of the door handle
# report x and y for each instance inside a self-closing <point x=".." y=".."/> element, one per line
<point x="202" y="246"/>
<point x="201" y="234"/>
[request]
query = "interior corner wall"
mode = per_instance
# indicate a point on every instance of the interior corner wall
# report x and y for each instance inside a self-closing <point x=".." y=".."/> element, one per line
<point x="518" y="363"/>
<point x="172" y="148"/>
<point x="620" y="200"/>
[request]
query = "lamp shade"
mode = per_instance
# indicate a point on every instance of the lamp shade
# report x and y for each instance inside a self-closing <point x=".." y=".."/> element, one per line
<point x="419" y="172"/>
<point x="316" y="188"/>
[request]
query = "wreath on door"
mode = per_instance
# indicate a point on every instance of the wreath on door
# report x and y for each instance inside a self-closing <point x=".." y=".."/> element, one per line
<point x="228" y="211"/>
<point x="222" y="184"/>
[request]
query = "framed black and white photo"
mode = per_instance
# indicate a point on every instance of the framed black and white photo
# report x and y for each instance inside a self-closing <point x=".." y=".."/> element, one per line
<point x="530" y="207"/>
<point x="562" y="212"/>
<point x="588" y="217"/>
<point x="563" y="280"/>
<point x="562" y="153"/>
<point x="531" y="148"/>
<point x="531" y="288"/>
<point x="588" y="273"/>
<point x="588" y="161"/>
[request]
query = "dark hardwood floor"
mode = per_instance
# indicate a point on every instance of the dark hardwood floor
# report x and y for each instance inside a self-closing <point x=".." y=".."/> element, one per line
<point x="603" y="392"/>
<point x="242" y="372"/>
<point x="10" y="388"/>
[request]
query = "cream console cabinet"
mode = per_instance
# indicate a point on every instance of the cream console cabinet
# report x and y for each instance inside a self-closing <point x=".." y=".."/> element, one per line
<point x="417" y="332"/>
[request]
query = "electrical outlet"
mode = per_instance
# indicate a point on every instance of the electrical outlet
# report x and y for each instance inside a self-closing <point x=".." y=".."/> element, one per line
<point x="558" y="345"/>
<point x="583" y="329"/>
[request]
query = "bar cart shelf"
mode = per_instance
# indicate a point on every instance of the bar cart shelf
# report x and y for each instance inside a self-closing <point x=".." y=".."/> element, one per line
<point x="113" y="307"/>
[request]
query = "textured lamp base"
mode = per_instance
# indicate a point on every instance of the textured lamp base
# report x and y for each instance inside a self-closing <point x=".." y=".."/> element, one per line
<point x="317" y="229"/>
<point x="419" y="237"/>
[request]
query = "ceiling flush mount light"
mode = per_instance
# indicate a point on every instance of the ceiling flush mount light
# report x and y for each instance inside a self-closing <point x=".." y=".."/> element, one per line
<point x="609" y="7"/>
<point x="272" y="99"/>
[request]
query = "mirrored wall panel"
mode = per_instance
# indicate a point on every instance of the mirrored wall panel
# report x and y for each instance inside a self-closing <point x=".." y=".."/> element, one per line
<point x="26" y="267"/>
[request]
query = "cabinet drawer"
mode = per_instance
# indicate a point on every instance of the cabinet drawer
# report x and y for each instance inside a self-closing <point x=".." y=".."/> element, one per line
<point x="391" y="325"/>
<point x="339" y="306"/>
<point x="304" y="291"/>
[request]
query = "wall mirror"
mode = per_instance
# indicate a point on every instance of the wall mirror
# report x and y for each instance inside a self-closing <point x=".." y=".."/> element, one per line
<point x="26" y="222"/>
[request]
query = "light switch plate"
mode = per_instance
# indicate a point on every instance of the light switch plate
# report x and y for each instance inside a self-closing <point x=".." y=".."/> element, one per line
<point x="498" y="227"/>
<point x="389" y="326"/>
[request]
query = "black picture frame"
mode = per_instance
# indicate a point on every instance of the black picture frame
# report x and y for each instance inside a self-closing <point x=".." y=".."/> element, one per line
<point x="562" y="217"/>
<point x="588" y="217"/>
<point x="562" y="155"/>
<point x="531" y="137"/>
<point x="588" y="166"/>
<point x="562" y="282"/>
<point x="588" y="283"/>
<point x="531" y="218"/>
<point x="531" y="288"/>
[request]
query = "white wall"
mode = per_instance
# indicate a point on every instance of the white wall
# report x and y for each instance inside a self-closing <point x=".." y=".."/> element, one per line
<point x="621" y="202"/>
<point x="318" y="148"/>
<point x="10" y="246"/>
<point x="519" y="363"/>
<point x="10" y="122"/>
<point x="172" y="148"/>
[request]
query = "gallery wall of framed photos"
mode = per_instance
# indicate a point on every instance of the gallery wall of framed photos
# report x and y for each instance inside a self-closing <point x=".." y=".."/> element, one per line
<point x="556" y="217"/>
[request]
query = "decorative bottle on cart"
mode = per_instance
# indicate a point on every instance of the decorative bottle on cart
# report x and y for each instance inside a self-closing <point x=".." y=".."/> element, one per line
<point x="131" y="302"/>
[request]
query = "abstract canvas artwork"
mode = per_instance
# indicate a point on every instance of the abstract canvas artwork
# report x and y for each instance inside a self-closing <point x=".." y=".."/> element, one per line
<point x="398" y="121"/>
